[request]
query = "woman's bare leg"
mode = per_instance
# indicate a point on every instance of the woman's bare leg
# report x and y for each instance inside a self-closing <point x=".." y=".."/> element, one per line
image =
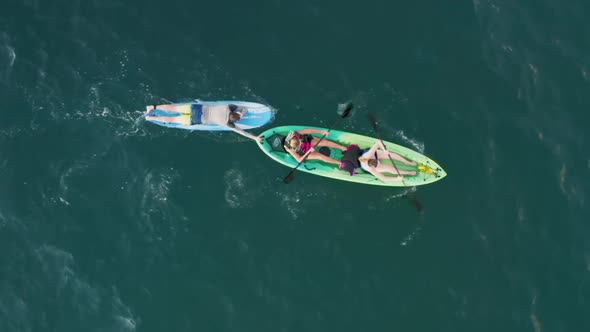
<point x="327" y="143"/>
<point x="319" y="156"/>
<point x="166" y="119"/>
<point x="168" y="108"/>
<point x="390" y="169"/>
<point x="386" y="154"/>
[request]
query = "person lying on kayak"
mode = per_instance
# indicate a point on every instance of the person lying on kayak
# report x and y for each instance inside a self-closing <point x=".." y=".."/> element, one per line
<point x="223" y="115"/>
<point x="299" y="143"/>
<point x="369" y="161"/>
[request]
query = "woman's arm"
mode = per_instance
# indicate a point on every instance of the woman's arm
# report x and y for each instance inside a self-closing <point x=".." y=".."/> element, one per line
<point x="296" y="156"/>
<point x="371" y="153"/>
<point x="245" y="133"/>
<point x="293" y="154"/>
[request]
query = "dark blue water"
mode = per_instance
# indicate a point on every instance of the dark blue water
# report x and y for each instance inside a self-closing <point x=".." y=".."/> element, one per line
<point x="110" y="223"/>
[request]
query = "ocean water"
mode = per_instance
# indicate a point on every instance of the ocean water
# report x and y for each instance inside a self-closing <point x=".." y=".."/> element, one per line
<point x="110" y="223"/>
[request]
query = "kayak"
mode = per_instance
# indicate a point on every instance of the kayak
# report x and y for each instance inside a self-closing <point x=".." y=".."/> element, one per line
<point x="257" y="115"/>
<point x="426" y="170"/>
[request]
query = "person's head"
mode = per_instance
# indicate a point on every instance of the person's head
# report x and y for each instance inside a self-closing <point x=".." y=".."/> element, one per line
<point x="294" y="143"/>
<point x="372" y="162"/>
<point x="233" y="117"/>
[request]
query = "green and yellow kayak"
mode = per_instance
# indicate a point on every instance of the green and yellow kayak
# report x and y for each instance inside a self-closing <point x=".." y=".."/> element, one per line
<point x="427" y="170"/>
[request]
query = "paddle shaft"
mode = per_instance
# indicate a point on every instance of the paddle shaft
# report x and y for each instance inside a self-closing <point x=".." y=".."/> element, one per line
<point x="398" y="172"/>
<point x="415" y="202"/>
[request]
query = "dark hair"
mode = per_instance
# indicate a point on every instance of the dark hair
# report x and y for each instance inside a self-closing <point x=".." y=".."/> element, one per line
<point x="372" y="162"/>
<point x="233" y="117"/>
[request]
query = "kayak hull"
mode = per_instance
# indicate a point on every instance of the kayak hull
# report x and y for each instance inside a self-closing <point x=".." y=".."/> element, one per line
<point x="427" y="170"/>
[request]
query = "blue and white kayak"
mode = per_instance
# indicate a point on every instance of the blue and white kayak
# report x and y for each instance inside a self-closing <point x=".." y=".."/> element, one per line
<point x="257" y="115"/>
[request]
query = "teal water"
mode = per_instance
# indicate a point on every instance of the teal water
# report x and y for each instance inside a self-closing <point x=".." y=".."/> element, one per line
<point x="110" y="223"/>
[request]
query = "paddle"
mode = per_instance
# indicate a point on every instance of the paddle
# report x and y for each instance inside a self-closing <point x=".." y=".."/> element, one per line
<point x="415" y="202"/>
<point x="344" y="113"/>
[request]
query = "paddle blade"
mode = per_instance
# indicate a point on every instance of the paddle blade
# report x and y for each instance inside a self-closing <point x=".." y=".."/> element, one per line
<point x="287" y="179"/>
<point x="416" y="203"/>
<point x="372" y="120"/>
<point x="344" y="109"/>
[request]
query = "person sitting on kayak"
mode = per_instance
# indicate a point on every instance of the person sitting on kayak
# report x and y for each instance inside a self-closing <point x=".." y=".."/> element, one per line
<point x="223" y="115"/>
<point x="299" y="143"/>
<point x="369" y="161"/>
